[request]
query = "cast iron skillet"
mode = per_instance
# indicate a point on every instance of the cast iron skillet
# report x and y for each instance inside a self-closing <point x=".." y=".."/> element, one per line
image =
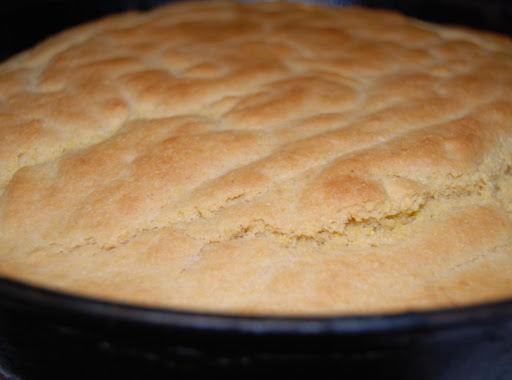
<point x="48" y="335"/>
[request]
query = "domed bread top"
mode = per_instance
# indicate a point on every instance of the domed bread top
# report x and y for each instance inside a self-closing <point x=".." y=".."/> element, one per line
<point x="260" y="158"/>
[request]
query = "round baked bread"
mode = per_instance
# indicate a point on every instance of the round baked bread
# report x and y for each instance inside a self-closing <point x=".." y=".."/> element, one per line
<point x="260" y="158"/>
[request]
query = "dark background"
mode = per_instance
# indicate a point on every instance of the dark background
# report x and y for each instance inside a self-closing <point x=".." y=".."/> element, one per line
<point x="25" y="22"/>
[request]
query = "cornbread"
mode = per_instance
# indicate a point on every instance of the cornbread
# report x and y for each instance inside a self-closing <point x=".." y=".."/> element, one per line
<point x="260" y="158"/>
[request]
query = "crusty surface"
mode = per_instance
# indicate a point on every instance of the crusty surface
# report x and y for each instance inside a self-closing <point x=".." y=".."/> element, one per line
<point x="260" y="158"/>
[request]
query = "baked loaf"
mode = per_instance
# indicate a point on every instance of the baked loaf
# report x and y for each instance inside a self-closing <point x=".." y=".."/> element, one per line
<point x="260" y="158"/>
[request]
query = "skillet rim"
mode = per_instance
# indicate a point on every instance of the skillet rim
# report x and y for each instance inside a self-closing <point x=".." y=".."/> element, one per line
<point x="22" y="297"/>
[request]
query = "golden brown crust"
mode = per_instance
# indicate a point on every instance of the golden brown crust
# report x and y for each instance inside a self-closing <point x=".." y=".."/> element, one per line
<point x="260" y="158"/>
